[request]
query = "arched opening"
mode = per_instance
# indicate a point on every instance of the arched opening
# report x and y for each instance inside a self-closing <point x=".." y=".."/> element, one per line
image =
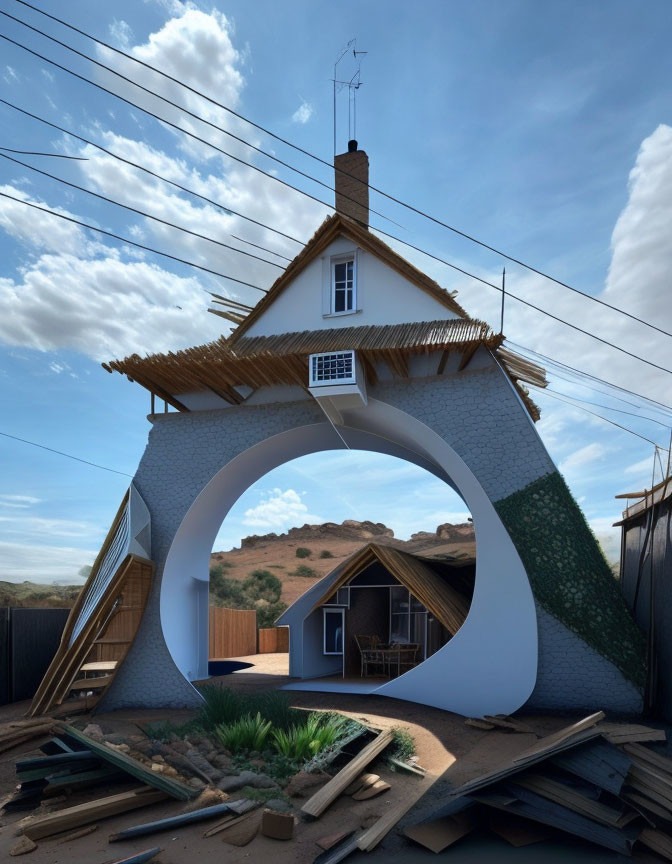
<point x="493" y="656"/>
<point x="363" y="524"/>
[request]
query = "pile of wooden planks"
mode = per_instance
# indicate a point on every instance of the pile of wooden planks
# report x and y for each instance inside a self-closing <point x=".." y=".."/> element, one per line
<point x="593" y="780"/>
<point x="22" y="731"/>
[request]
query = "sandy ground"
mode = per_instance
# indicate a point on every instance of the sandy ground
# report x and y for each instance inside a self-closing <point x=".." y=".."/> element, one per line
<point x="450" y="751"/>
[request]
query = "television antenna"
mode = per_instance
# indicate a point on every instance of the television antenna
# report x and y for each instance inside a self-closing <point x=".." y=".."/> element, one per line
<point x="353" y="84"/>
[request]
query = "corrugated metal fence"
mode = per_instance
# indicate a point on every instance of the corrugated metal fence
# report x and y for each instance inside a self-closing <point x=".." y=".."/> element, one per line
<point x="233" y="632"/>
<point x="28" y="641"/>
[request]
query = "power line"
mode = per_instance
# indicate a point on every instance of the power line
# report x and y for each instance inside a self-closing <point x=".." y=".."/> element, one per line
<point x="384" y="233"/>
<point x="392" y="198"/>
<point x="189" y="113"/>
<point x="36" y="153"/>
<point x="667" y="426"/>
<point x="140" y="212"/>
<point x="151" y="173"/>
<point x="595" y="414"/>
<point x="585" y="374"/>
<point x="132" y="242"/>
<point x="67" y="455"/>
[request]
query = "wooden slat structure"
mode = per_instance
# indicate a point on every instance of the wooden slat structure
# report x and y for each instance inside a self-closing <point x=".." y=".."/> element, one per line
<point x="106" y="635"/>
<point x="233" y="632"/>
<point x="273" y="640"/>
<point x="449" y="605"/>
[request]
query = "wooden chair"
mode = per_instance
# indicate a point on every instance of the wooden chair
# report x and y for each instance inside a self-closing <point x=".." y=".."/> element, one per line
<point x="369" y="653"/>
<point x="402" y="655"/>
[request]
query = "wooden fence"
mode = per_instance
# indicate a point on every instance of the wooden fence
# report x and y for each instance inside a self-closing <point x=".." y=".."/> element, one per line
<point x="274" y="640"/>
<point x="233" y="632"/>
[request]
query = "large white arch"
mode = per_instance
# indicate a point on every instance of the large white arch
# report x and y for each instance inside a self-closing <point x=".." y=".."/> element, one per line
<point x="489" y="666"/>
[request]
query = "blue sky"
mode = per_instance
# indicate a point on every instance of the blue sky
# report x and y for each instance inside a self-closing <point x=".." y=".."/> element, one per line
<point x="544" y="129"/>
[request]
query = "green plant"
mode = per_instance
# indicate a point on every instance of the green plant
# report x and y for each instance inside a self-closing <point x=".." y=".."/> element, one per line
<point x="263" y="585"/>
<point x="247" y="733"/>
<point x="300" y="742"/>
<point x="306" y="572"/>
<point x="221" y="706"/>
<point x="276" y="707"/>
<point x="403" y="744"/>
<point x="325" y="553"/>
<point x="268" y="613"/>
<point x="303" y="552"/>
<point x="167" y="730"/>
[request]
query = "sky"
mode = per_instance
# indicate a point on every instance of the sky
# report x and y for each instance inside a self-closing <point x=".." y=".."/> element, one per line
<point x="543" y="129"/>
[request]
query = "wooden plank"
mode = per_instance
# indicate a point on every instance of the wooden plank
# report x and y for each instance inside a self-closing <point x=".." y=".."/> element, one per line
<point x="599" y="763"/>
<point x="83" y="814"/>
<point x="510" y="724"/>
<point x="172" y="822"/>
<point x="570" y="798"/>
<point x="646" y="755"/>
<point x="318" y="803"/>
<point x="132" y="766"/>
<point x="442" y="833"/>
<point x="273" y="640"/>
<point x="641" y="802"/>
<point x="515" y="830"/>
<point x="627" y="733"/>
<point x="100" y="666"/>
<point x="370" y="838"/>
<point x="551" y="741"/>
<point x="657" y="841"/>
<point x="91" y="683"/>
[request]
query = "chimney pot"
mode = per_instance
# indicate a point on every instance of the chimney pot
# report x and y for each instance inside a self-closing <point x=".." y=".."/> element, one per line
<point x="351" y="171"/>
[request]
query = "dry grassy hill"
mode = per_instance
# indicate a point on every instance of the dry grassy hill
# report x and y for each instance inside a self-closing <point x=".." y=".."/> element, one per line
<point x="329" y="544"/>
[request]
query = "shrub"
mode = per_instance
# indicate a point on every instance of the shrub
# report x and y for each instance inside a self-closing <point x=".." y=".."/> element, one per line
<point x="221" y="706"/>
<point x="300" y="742"/>
<point x="247" y="733"/>
<point x="303" y="552"/>
<point x="268" y="613"/>
<point x="403" y="744"/>
<point x="325" y="553"/>
<point x="306" y="572"/>
<point x="263" y="585"/>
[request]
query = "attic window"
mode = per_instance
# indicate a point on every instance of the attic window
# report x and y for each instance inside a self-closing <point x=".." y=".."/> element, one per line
<point x="343" y="285"/>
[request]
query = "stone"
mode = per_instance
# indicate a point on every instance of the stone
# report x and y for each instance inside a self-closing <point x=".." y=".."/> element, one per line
<point x="196" y="783"/>
<point x="94" y="731"/>
<point x="115" y="738"/>
<point x="180" y="746"/>
<point x="280" y="805"/>
<point x="246" y="778"/>
<point x="303" y="784"/>
<point x="24" y="845"/>
<point x="223" y="763"/>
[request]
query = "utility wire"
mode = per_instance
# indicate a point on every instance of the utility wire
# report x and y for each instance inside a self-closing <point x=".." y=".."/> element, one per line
<point x="132" y="242"/>
<point x="140" y="212"/>
<point x="667" y="426"/>
<point x="392" y="198"/>
<point x="224" y="207"/>
<point x="190" y="114"/>
<point x="285" y="183"/>
<point x="35" y="153"/>
<point x="541" y="390"/>
<point x="584" y="374"/>
<point x="61" y="453"/>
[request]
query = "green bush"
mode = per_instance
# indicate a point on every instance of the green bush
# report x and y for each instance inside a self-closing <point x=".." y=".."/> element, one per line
<point x="403" y="744"/>
<point x="303" y="552"/>
<point x="268" y="613"/>
<point x="263" y="585"/>
<point x="247" y="733"/>
<point x="223" y="707"/>
<point x="300" y="742"/>
<point x="325" y="553"/>
<point x="305" y="571"/>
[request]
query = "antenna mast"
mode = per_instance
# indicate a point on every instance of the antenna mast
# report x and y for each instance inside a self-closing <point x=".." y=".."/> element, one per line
<point x="353" y="84"/>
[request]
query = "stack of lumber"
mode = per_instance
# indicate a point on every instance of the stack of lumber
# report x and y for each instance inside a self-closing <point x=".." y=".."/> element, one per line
<point x="593" y="780"/>
<point x="22" y="731"/>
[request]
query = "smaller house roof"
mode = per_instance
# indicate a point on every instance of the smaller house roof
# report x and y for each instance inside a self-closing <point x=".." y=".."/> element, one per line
<point x="340" y="226"/>
<point x="449" y="605"/>
<point x="650" y="497"/>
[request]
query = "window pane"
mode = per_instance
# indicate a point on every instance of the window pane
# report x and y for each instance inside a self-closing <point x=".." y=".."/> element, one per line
<point x="416" y="605"/>
<point x="399" y="628"/>
<point x="418" y="626"/>
<point x="399" y="599"/>
<point x="340" y="272"/>
<point x="333" y="633"/>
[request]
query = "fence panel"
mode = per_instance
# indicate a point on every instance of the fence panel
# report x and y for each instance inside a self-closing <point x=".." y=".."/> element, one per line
<point x="233" y="632"/>
<point x="33" y="638"/>
<point x="5" y="679"/>
<point x="274" y="640"/>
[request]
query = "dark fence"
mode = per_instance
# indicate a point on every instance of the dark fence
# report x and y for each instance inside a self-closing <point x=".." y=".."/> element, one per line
<point x="28" y="641"/>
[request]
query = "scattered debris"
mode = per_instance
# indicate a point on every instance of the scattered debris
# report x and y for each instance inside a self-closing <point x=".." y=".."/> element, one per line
<point x="75" y="835"/>
<point x="399" y="765"/>
<point x="362" y="782"/>
<point x="176" y="821"/>
<point x="371" y="791"/>
<point x="279" y="826"/>
<point x="138" y="858"/>
<point x="243" y="832"/>
<point x="442" y="833"/>
<point x="22" y="846"/>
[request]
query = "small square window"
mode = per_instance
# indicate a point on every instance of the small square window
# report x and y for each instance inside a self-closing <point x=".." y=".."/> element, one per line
<point x="343" y="285"/>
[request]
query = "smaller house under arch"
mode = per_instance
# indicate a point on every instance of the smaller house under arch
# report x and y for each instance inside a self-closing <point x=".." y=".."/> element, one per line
<point x="377" y="615"/>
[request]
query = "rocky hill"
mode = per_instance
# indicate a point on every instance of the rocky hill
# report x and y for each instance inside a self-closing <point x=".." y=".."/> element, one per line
<point x="303" y="555"/>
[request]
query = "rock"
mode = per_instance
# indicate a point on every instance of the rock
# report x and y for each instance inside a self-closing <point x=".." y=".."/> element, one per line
<point x="246" y="778"/>
<point x="206" y="745"/>
<point x="279" y="804"/>
<point x="121" y="748"/>
<point x="94" y="731"/>
<point x="258" y="763"/>
<point x="200" y="762"/>
<point x="196" y="783"/>
<point x="160" y="759"/>
<point x="114" y="738"/>
<point x="223" y="763"/>
<point x="25" y="844"/>
<point x="157" y="767"/>
<point x="180" y="747"/>
<point x="303" y="784"/>
<point x="209" y="797"/>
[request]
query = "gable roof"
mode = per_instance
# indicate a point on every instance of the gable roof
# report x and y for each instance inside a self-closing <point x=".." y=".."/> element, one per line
<point x="442" y="599"/>
<point x="340" y="226"/>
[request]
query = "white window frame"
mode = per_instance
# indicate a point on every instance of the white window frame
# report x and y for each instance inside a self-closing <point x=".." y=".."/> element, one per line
<point x="329" y="284"/>
<point x="333" y="611"/>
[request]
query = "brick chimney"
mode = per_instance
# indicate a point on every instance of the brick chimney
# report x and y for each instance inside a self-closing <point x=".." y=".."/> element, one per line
<point x="351" y="171"/>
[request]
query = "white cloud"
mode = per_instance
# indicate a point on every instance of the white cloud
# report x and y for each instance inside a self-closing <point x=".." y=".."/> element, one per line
<point x="608" y="536"/>
<point x="303" y="113"/>
<point x="278" y="511"/>
<point x="121" y="33"/>
<point x="38" y="229"/>
<point x="21" y="562"/>
<point x="21" y="502"/>
<point x="584" y="456"/>
<point x="641" y="468"/>
<point x="30" y="526"/>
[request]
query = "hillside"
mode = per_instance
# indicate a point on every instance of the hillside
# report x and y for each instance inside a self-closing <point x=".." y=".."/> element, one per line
<point x="327" y="544"/>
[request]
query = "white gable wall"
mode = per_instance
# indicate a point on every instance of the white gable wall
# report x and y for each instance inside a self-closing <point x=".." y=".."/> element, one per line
<point x="383" y="297"/>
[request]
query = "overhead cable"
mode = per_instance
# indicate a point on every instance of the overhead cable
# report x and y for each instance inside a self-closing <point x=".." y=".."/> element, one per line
<point x="39" y="153"/>
<point x="319" y="159"/>
<point x="140" y="212"/>
<point x="67" y="455"/>
<point x="218" y="204"/>
<point x="132" y="242"/>
<point x="667" y="426"/>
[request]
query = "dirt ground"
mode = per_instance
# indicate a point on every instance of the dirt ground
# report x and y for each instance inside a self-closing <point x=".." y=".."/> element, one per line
<point x="443" y="747"/>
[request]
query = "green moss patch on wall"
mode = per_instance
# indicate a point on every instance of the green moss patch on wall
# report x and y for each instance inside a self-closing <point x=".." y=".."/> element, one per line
<point x="569" y="574"/>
